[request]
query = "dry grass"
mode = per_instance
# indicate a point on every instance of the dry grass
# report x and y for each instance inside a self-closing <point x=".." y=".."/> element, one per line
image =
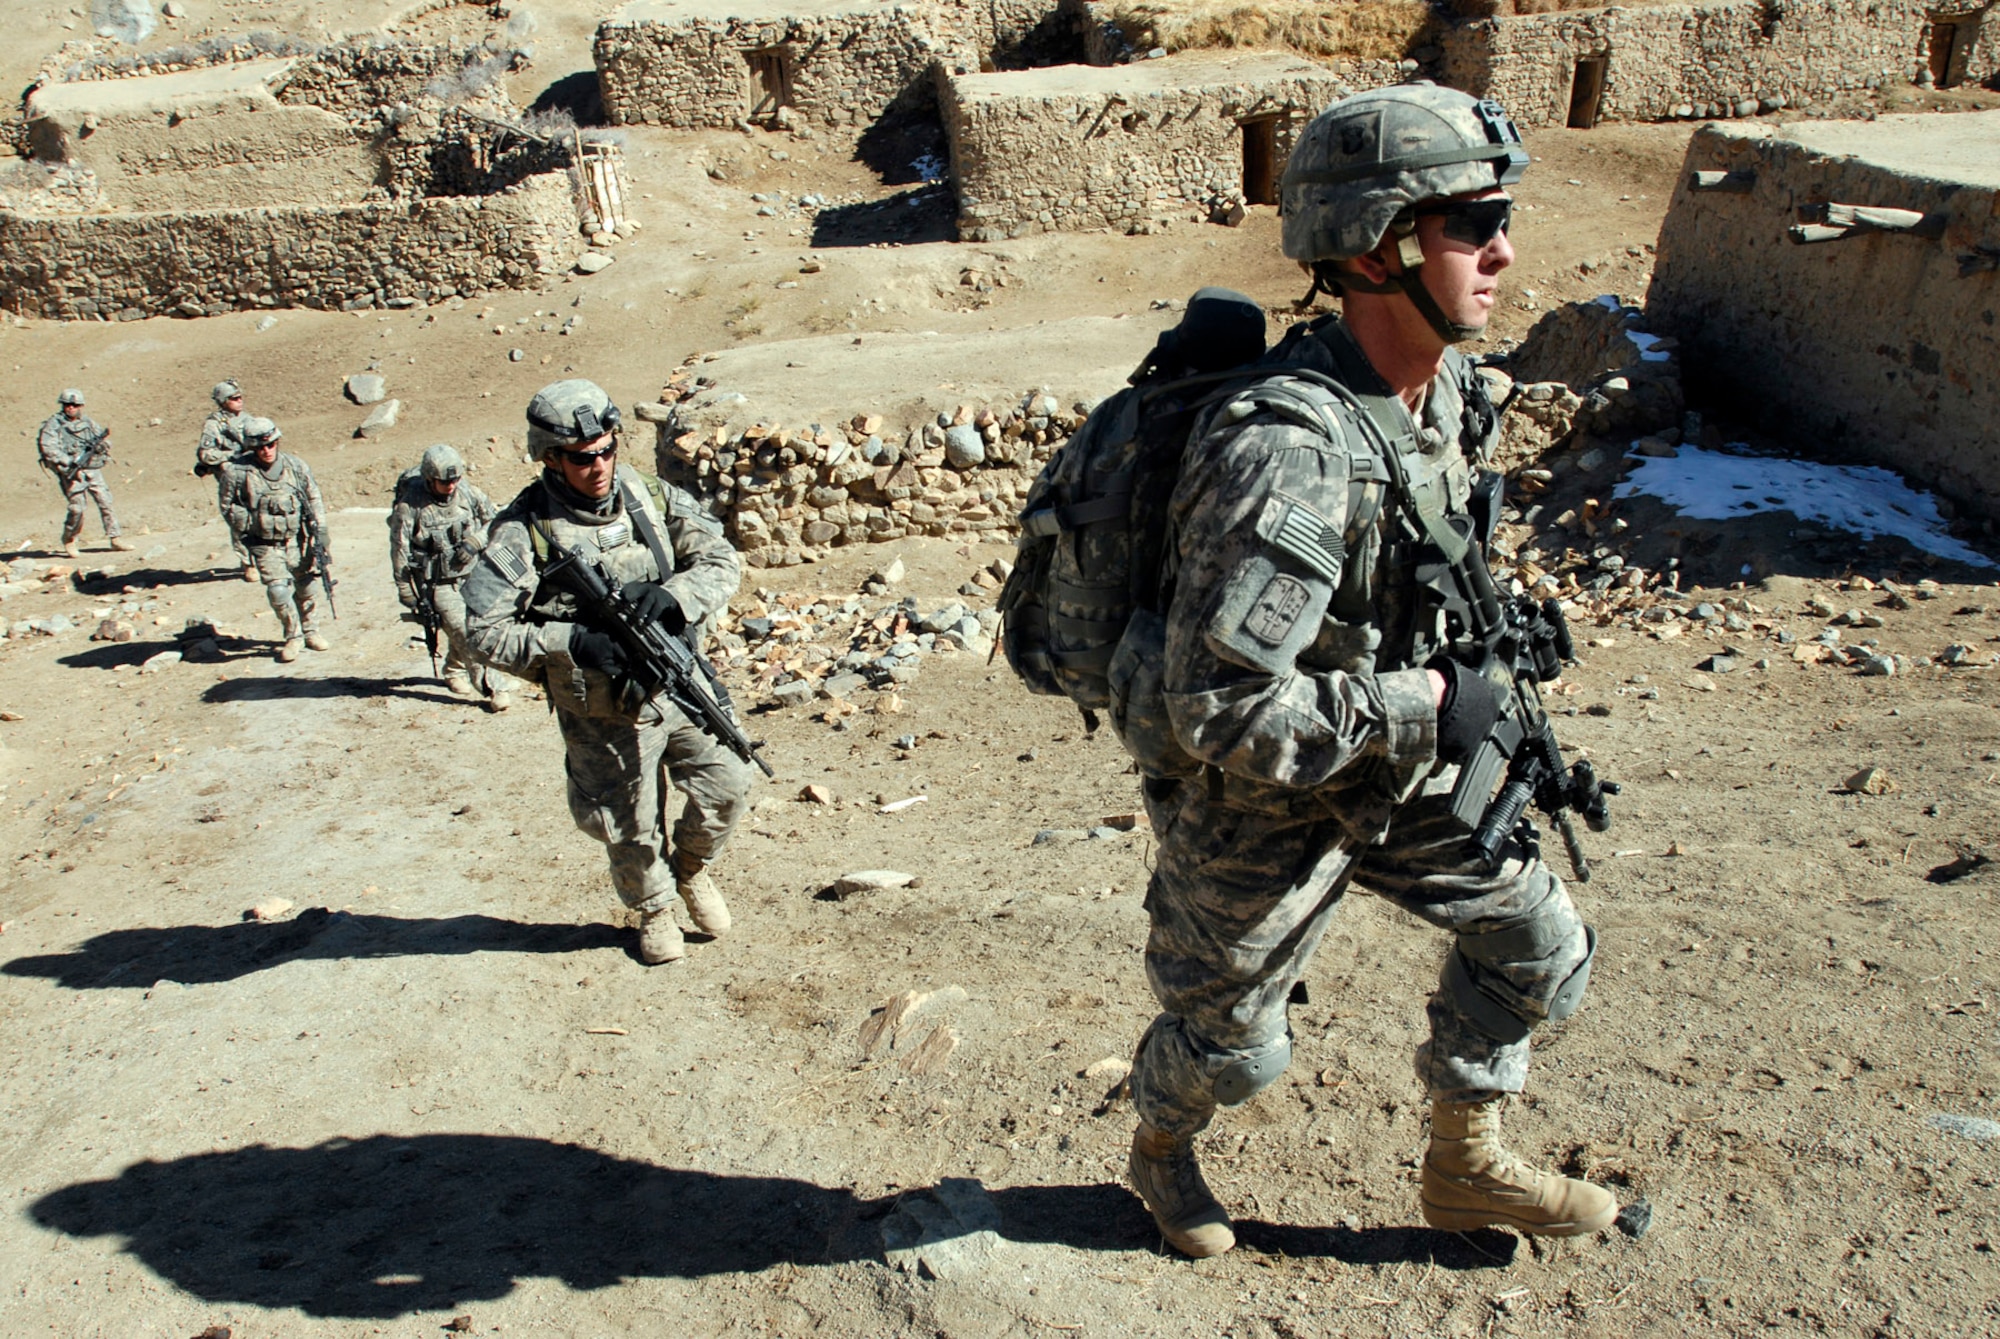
<point x="1354" y="30"/>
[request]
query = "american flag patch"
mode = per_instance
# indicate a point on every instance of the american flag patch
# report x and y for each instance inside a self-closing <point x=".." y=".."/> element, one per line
<point x="508" y="562"/>
<point x="1305" y="535"/>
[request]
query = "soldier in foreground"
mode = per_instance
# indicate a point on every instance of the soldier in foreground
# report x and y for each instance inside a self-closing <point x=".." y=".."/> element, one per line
<point x="218" y="454"/>
<point x="436" y="529"/>
<point x="275" y="503"/>
<point x="1305" y="704"/>
<point x="623" y="740"/>
<point x="76" y="450"/>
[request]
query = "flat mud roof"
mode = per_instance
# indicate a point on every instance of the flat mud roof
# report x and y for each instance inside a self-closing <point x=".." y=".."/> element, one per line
<point x="1173" y="74"/>
<point x="154" y="92"/>
<point x="755" y="11"/>
<point x="1962" y="149"/>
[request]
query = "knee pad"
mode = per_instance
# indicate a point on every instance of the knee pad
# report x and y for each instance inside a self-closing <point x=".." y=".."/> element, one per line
<point x="1248" y="1073"/>
<point x="1495" y="1007"/>
<point x="279" y="592"/>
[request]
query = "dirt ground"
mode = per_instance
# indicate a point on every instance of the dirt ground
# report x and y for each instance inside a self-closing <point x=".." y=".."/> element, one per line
<point x="442" y="1086"/>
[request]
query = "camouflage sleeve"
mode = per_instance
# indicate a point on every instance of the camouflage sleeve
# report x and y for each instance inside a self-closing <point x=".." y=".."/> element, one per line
<point x="310" y="499"/>
<point x="497" y="594"/>
<point x="483" y="512"/>
<point x="707" y="570"/>
<point x="1260" y="519"/>
<point x="402" y="524"/>
<point x="55" y="445"/>
<point x="214" y="449"/>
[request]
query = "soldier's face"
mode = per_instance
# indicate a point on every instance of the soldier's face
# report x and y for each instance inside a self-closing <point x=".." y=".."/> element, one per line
<point x="72" y="410"/>
<point x="1462" y="275"/>
<point x="442" y="489"/>
<point x="234" y="404"/>
<point x="266" y="452"/>
<point x="589" y="467"/>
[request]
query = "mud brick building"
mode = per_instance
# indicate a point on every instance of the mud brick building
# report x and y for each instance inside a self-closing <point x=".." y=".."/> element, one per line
<point x="1877" y="342"/>
<point x="1078" y="146"/>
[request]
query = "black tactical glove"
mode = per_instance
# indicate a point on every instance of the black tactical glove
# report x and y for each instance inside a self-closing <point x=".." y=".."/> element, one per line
<point x="655" y="604"/>
<point x="591" y="649"/>
<point x="1467" y="713"/>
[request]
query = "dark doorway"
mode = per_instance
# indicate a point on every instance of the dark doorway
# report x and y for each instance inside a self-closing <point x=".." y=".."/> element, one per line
<point x="1260" y="161"/>
<point x="1586" y="91"/>
<point x="1944" y="37"/>
<point x="770" y="83"/>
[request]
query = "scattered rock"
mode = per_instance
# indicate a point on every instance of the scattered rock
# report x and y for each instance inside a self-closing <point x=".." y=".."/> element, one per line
<point x="898" y="1015"/>
<point x="1719" y="665"/>
<point x="268" y="910"/>
<point x="366" y="388"/>
<point x="794" y="694"/>
<point x="1871" y="781"/>
<point x="380" y="419"/>
<point x="590" y="262"/>
<point x="816" y="795"/>
<point x="1966" y="1127"/>
<point x="164" y="660"/>
<point x="1125" y="822"/>
<point x="1634" y="1219"/>
<point x="112" y="630"/>
<point x="516" y="355"/>
<point x="869" y="881"/>
<point x="949" y="1232"/>
<point x="1874" y="666"/>
<point x="1110" y="1070"/>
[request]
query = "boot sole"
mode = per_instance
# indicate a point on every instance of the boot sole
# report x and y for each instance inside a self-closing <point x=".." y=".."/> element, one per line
<point x="1188" y="1246"/>
<point x="1467" y="1220"/>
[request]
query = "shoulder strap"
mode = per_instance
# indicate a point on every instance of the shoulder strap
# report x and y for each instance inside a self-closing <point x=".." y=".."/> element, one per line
<point x="642" y="520"/>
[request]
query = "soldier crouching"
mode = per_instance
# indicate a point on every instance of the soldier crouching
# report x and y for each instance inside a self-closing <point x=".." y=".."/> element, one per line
<point x="623" y="745"/>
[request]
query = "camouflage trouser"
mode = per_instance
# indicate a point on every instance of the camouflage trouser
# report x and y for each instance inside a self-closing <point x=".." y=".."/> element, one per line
<point x="225" y="484"/>
<point x="458" y="656"/>
<point x="1239" y="901"/>
<point x="85" y="487"/>
<point x="618" y="784"/>
<point x="284" y="570"/>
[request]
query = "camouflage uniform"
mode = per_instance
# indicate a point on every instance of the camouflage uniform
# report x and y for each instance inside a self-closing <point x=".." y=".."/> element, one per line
<point x="1289" y="730"/>
<point x="66" y="449"/>
<point x="273" y="508"/>
<point x="219" y="454"/>
<point x="442" y="537"/>
<point x="619" y="758"/>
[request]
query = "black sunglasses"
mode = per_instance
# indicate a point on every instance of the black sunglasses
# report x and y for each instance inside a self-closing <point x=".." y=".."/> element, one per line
<point x="583" y="460"/>
<point x="1473" y="222"/>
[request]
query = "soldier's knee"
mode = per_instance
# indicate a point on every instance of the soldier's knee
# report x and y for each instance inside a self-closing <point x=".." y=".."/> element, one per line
<point x="279" y="592"/>
<point x="1485" y="994"/>
<point x="1249" y="1072"/>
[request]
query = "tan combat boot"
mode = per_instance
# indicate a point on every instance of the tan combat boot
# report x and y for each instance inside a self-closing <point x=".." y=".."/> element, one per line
<point x="289" y="650"/>
<point x="704" y="900"/>
<point x="1471" y="1180"/>
<point x="250" y="573"/>
<point x="1165" y="1174"/>
<point x="121" y="545"/>
<point x="71" y="549"/>
<point x="457" y="682"/>
<point x="316" y="641"/>
<point x="660" y="937"/>
<point x="497" y="698"/>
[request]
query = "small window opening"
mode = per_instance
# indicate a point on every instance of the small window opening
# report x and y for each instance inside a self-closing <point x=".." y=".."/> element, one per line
<point x="770" y="83"/>
<point x="1586" y="91"/>
<point x="1944" y="38"/>
<point x="1260" y="161"/>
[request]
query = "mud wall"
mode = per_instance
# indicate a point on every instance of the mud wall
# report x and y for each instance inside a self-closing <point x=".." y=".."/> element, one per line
<point x="1878" y="348"/>
<point x="842" y="71"/>
<point x="1706" y="61"/>
<point x="332" y="257"/>
<point x="1078" y="147"/>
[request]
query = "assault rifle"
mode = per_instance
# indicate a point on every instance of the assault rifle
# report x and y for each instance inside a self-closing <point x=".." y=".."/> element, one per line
<point x="1528" y="643"/>
<point x="424" y="580"/>
<point x="660" y="661"/>
<point x="319" y="557"/>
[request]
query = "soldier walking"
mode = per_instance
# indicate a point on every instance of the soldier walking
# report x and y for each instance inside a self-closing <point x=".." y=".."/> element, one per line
<point x="437" y="527"/>
<point x="623" y="742"/>
<point x="219" y="454"/>
<point x="1311" y="712"/>
<point x="76" y="450"/>
<point x="276" y="503"/>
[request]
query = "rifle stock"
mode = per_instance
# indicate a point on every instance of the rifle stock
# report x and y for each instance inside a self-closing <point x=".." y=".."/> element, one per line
<point x="661" y="661"/>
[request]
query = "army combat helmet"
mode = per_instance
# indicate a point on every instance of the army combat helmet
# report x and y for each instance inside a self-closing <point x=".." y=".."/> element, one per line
<point x="258" y="432"/>
<point x="224" y="392"/>
<point x="1362" y="167"/>
<point x="70" y="396"/>
<point x="567" y="412"/>
<point x="442" y="464"/>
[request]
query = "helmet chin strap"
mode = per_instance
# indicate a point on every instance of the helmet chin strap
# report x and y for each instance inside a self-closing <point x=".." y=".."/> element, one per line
<point x="1410" y="284"/>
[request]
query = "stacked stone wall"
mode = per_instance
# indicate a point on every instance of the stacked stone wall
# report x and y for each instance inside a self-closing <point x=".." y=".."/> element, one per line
<point x="1706" y="61"/>
<point x="1117" y="148"/>
<point x="1880" y="347"/>
<point x="846" y="71"/>
<point x="330" y="257"/>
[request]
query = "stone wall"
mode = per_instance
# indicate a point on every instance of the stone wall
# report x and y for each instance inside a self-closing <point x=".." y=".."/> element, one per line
<point x="1078" y="147"/>
<point x="1879" y="348"/>
<point x="125" y="266"/>
<point x="660" y="63"/>
<point x="1704" y="61"/>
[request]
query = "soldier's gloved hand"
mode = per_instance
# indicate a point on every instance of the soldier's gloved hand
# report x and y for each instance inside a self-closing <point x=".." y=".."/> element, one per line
<point x="655" y="604"/>
<point x="1467" y="713"/>
<point x="591" y="649"/>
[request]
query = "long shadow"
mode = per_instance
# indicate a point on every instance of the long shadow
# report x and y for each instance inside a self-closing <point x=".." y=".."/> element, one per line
<point x="203" y="954"/>
<point x="96" y="582"/>
<point x="110" y="655"/>
<point x="384" y="1226"/>
<point x="922" y="214"/>
<point x="577" y="93"/>
<point x="283" y="688"/>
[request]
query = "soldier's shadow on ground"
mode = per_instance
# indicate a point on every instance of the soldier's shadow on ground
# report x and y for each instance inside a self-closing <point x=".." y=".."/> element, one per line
<point x="203" y="954"/>
<point x="91" y="581"/>
<point x="384" y="1226"/>
<point x="287" y="688"/>
<point x="111" y="655"/>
